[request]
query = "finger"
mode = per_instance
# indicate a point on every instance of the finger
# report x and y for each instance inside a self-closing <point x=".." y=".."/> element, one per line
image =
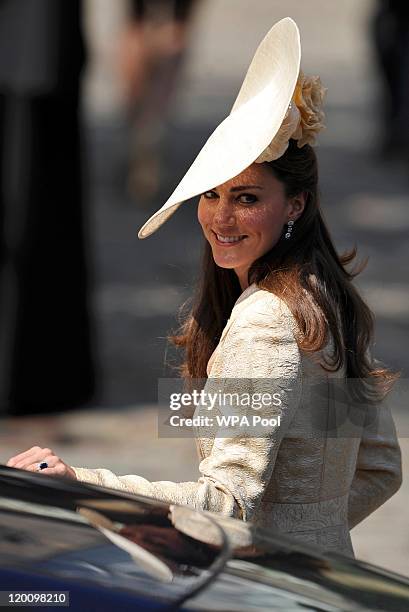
<point x="21" y="456"/>
<point x="35" y="457"/>
<point x="58" y="470"/>
<point x="34" y="454"/>
<point x="49" y="472"/>
<point x="51" y="460"/>
<point x="32" y="467"/>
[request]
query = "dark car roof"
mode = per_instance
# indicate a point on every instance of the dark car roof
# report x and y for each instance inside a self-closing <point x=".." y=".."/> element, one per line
<point x="63" y="530"/>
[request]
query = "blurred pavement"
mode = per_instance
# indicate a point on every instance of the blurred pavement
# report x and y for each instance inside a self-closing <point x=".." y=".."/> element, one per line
<point x="139" y="285"/>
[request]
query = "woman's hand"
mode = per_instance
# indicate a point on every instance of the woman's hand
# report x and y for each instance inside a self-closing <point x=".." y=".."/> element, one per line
<point x="31" y="459"/>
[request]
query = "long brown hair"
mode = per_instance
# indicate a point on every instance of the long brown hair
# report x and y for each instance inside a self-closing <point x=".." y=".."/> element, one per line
<point x="307" y="273"/>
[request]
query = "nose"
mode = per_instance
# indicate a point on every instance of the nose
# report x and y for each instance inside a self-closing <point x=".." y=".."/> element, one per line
<point x="224" y="215"/>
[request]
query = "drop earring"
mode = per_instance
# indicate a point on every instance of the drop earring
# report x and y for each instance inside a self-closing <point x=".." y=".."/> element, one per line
<point x="290" y="226"/>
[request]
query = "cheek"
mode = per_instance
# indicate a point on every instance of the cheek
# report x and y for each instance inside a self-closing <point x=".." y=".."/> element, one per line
<point x="205" y="217"/>
<point x="203" y="214"/>
<point x="265" y="223"/>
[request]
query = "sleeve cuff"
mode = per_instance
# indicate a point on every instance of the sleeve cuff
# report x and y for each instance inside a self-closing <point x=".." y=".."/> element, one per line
<point x="87" y="475"/>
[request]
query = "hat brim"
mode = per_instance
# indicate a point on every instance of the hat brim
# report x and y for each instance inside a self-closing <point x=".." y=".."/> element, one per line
<point x="255" y="119"/>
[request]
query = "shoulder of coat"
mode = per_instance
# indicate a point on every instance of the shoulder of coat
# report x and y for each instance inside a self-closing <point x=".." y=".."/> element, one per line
<point x="263" y="309"/>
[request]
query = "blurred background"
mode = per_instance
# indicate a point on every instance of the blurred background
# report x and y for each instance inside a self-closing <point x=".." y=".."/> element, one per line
<point x="103" y="106"/>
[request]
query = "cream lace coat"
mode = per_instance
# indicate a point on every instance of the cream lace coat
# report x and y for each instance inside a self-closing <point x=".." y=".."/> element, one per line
<point x="314" y="486"/>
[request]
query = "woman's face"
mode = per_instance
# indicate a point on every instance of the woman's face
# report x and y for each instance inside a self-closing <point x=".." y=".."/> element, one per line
<point x="245" y="217"/>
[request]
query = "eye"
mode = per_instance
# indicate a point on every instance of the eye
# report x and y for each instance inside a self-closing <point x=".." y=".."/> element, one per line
<point x="247" y="198"/>
<point x="210" y="195"/>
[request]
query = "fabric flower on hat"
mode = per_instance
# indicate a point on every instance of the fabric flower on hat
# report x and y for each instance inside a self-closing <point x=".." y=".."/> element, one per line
<point x="309" y="97"/>
<point x="279" y="144"/>
<point x="303" y="120"/>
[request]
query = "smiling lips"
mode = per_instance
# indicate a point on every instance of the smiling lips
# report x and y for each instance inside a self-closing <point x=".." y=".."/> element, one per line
<point x="228" y="240"/>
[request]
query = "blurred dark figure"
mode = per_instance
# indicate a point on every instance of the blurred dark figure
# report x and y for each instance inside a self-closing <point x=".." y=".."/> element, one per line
<point x="391" y="35"/>
<point x="152" y="49"/>
<point x="45" y="352"/>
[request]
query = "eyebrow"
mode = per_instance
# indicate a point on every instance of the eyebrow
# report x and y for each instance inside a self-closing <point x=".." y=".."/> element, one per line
<point x="243" y="187"/>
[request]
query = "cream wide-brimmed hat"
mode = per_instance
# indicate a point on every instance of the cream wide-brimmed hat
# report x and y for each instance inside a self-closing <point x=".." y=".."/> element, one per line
<point x="276" y="102"/>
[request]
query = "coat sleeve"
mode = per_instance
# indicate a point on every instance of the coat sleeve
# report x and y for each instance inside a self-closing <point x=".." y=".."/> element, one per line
<point x="259" y="353"/>
<point x="378" y="473"/>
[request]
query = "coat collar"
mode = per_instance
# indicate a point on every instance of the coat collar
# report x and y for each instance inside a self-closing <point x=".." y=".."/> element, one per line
<point x="241" y="304"/>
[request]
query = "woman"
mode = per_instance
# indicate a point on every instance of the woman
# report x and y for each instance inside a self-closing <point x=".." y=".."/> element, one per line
<point x="276" y="312"/>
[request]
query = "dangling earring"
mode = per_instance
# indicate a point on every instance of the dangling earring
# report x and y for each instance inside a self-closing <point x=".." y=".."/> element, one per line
<point x="290" y="226"/>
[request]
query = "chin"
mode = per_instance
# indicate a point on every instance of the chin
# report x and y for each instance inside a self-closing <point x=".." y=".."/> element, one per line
<point x="228" y="265"/>
<point x="223" y="260"/>
<point x="224" y="264"/>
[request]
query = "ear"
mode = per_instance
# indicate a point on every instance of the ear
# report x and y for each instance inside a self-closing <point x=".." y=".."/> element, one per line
<point x="296" y="205"/>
